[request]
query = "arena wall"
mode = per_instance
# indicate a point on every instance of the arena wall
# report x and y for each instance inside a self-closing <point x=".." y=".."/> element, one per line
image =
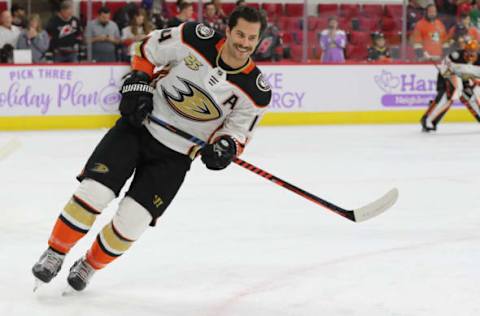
<point x="86" y="96"/>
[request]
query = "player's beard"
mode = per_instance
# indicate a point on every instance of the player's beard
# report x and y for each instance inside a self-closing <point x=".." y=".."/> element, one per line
<point x="241" y="52"/>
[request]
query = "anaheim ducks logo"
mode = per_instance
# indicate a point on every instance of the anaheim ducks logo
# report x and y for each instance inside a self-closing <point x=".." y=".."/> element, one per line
<point x="193" y="102"/>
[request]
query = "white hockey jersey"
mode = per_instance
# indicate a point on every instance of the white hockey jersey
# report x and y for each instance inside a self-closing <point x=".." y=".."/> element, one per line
<point x="197" y="92"/>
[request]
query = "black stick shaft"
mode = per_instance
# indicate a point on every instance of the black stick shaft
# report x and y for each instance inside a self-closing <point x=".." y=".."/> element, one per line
<point x="340" y="211"/>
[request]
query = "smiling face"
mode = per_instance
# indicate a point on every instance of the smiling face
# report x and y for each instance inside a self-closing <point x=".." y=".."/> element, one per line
<point x="241" y="41"/>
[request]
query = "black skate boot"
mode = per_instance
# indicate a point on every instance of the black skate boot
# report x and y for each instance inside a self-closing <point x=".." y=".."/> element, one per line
<point x="425" y="127"/>
<point x="80" y="274"/>
<point x="47" y="266"/>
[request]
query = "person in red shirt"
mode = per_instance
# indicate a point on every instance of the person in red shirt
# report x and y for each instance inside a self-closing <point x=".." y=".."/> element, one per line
<point x="429" y="36"/>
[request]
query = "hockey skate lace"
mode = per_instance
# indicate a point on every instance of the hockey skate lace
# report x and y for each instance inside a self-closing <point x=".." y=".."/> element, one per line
<point x="84" y="271"/>
<point x="52" y="262"/>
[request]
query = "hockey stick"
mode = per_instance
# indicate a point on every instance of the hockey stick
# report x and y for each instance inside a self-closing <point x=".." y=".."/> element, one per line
<point x="356" y="215"/>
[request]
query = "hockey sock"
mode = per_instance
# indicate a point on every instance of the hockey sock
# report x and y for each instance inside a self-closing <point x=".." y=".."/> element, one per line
<point x="128" y="224"/>
<point x="79" y="214"/>
<point x="73" y="223"/>
<point x="108" y="246"/>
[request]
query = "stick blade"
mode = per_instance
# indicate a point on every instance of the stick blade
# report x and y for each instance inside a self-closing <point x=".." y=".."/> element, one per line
<point x="376" y="207"/>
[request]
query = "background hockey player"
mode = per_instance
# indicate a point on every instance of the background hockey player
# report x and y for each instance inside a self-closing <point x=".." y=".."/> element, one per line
<point x="457" y="78"/>
<point x="209" y="87"/>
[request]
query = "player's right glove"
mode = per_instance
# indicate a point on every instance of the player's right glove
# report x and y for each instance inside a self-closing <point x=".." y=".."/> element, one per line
<point x="219" y="155"/>
<point x="137" y="98"/>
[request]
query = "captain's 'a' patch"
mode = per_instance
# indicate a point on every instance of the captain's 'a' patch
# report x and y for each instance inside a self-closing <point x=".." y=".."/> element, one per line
<point x="203" y="31"/>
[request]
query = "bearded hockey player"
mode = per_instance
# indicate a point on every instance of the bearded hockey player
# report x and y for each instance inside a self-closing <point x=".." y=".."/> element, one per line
<point x="208" y="86"/>
<point x="458" y="77"/>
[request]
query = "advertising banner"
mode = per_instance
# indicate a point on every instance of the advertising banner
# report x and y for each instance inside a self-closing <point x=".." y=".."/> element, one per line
<point x="60" y="90"/>
<point x="324" y="88"/>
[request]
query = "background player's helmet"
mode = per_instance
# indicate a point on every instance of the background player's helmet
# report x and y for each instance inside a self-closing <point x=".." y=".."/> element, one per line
<point x="471" y="51"/>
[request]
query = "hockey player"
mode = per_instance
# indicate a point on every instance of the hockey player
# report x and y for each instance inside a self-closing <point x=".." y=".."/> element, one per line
<point x="457" y="78"/>
<point x="209" y="87"/>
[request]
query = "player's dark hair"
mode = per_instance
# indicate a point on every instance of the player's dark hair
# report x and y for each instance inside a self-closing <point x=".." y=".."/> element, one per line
<point x="249" y="14"/>
<point x="183" y="5"/>
<point x="103" y="10"/>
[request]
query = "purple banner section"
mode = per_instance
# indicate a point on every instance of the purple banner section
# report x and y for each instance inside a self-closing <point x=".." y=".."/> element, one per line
<point x="409" y="100"/>
<point x="406" y="100"/>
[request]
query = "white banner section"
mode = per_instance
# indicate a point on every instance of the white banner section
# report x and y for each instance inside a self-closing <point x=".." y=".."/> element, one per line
<point x="93" y="89"/>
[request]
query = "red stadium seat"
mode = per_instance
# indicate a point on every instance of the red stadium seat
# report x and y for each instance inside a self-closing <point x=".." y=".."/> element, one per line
<point x="327" y="9"/>
<point x="393" y="10"/>
<point x="3" y="6"/>
<point x="296" y="51"/>
<point x="287" y="38"/>
<point x="255" y="5"/>
<point x="349" y="10"/>
<point x="359" y="38"/>
<point x="368" y="24"/>
<point x="344" y="23"/>
<point x="172" y="9"/>
<point x="294" y="9"/>
<point x="317" y="23"/>
<point x="273" y="8"/>
<point x="373" y="10"/>
<point x="390" y="24"/>
<point x="357" y="52"/>
<point x="289" y="24"/>
<point x="83" y="10"/>
<point x="313" y="38"/>
<point x="115" y="5"/>
<point x="228" y="7"/>
<point x="393" y="38"/>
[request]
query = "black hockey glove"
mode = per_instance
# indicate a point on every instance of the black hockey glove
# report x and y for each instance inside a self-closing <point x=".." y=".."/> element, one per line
<point x="219" y="155"/>
<point x="137" y="98"/>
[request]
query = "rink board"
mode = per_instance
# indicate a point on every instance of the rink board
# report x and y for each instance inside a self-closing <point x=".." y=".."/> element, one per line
<point x="86" y="95"/>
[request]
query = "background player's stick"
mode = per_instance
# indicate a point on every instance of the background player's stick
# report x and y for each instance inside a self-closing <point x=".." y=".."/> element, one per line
<point x="356" y="215"/>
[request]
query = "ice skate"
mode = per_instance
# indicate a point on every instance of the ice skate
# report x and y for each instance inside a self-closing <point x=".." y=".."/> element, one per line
<point x="425" y="127"/>
<point x="80" y="274"/>
<point x="47" y="267"/>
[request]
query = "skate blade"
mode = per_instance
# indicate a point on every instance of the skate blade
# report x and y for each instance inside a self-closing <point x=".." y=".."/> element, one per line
<point x="68" y="291"/>
<point x="38" y="283"/>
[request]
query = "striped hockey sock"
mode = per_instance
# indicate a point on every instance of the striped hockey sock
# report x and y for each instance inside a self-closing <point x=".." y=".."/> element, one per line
<point x="73" y="223"/>
<point x="108" y="246"/>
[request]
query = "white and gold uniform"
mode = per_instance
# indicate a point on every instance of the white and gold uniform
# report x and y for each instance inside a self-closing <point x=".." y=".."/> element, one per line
<point x="198" y="93"/>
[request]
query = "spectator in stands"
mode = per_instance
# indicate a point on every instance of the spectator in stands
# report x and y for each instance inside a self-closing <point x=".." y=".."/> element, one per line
<point x="104" y="35"/>
<point x="35" y="39"/>
<point x="185" y="14"/>
<point x="138" y="29"/>
<point x="219" y="10"/>
<point x="65" y="33"/>
<point x="19" y="17"/>
<point x="212" y="20"/>
<point x="123" y="15"/>
<point x="333" y="42"/>
<point x="379" y="51"/>
<point x="159" y="12"/>
<point x="429" y="36"/>
<point x="475" y="15"/>
<point x="270" y="47"/>
<point x="9" y="33"/>
<point x="462" y="28"/>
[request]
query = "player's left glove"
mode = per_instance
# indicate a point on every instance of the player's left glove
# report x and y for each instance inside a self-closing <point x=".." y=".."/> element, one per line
<point x="219" y="155"/>
<point x="137" y="98"/>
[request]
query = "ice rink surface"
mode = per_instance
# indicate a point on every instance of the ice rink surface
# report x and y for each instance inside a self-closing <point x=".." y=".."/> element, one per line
<point x="235" y="244"/>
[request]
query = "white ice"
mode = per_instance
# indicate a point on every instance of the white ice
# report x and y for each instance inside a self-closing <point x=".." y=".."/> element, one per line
<point x="235" y="244"/>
